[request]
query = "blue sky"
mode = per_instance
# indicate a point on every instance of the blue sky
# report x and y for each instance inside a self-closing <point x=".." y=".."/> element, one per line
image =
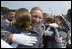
<point x="54" y="7"/>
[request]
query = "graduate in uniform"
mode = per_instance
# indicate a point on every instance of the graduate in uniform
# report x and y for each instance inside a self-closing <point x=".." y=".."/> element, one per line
<point x="51" y="38"/>
<point x="62" y="23"/>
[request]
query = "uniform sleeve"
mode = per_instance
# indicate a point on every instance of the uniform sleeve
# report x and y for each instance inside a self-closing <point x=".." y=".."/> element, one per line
<point x="5" y="34"/>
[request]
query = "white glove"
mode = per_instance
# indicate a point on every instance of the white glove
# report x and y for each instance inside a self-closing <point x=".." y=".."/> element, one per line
<point x="57" y="33"/>
<point x="58" y="39"/>
<point x="49" y="33"/>
<point x="53" y="25"/>
<point x="5" y="45"/>
<point x="69" y="41"/>
<point x="24" y="39"/>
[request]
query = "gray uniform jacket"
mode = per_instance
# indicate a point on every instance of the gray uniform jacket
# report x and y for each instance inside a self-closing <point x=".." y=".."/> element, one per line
<point x="35" y="31"/>
<point x="4" y="33"/>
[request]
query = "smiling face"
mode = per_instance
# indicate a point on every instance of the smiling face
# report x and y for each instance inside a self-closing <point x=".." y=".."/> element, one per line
<point x="36" y="17"/>
<point x="11" y="15"/>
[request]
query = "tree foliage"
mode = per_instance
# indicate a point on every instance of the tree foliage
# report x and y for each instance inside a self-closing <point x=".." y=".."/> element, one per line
<point x="4" y="10"/>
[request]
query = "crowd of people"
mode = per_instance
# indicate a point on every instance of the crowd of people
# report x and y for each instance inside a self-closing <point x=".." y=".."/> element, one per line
<point x="31" y="29"/>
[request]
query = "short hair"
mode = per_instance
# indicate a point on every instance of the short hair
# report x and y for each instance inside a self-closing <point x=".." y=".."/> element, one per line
<point x="60" y="17"/>
<point x="10" y="11"/>
<point x="50" y="19"/>
<point x="6" y="15"/>
<point x="35" y="8"/>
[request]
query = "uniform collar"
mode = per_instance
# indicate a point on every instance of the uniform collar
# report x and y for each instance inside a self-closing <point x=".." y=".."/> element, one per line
<point x="7" y="20"/>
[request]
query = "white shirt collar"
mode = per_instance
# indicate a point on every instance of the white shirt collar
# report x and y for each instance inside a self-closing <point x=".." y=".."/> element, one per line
<point x="7" y="20"/>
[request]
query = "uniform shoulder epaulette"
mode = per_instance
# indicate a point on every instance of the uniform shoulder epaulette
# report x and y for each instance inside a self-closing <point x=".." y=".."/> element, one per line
<point x="42" y="27"/>
<point x="4" y="33"/>
<point x="13" y="22"/>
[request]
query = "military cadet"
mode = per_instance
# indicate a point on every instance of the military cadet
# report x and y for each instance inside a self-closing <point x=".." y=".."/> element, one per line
<point x="37" y="17"/>
<point x="50" y="40"/>
<point x="10" y="16"/>
<point x="62" y="27"/>
<point x="4" y="33"/>
<point x="5" y="21"/>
